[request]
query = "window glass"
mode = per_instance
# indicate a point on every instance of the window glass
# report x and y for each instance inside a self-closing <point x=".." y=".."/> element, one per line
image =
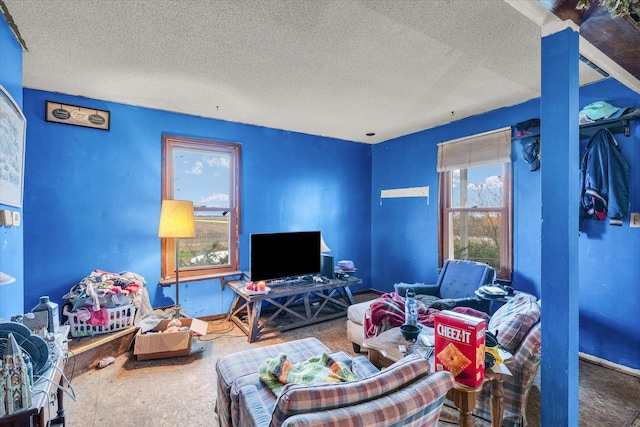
<point x="476" y="216"/>
<point x="478" y="187"/>
<point x="204" y="172"/>
<point x="476" y="236"/>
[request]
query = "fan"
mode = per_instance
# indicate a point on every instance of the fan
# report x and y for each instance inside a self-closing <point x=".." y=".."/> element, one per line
<point x="35" y="346"/>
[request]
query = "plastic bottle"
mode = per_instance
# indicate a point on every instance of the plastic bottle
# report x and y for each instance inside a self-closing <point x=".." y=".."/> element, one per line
<point x="411" y="308"/>
<point x="52" y="313"/>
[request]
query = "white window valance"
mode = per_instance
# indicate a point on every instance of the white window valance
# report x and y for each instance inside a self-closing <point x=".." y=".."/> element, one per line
<point x="482" y="149"/>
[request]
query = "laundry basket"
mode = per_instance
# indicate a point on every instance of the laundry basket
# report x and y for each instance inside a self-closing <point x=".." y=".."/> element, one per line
<point x="118" y="318"/>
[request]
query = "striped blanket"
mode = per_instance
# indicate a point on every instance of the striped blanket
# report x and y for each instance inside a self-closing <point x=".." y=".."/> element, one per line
<point x="387" y="312"/>
<point x="277" y="372"/>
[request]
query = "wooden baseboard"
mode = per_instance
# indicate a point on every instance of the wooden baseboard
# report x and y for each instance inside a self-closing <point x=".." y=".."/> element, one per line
<point x="369" y="291"/>
<point x="213" y="317"/>
<point x="610" y="365"/>
<point x="85" y="353"/>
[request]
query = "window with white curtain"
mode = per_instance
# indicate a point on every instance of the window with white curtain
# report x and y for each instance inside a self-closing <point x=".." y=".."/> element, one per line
<point x="475" y="200"/>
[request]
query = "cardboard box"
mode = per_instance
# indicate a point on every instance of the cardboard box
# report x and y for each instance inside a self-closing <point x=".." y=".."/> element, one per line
<point x="459" y="346"/>
<point x="158" y="345"/>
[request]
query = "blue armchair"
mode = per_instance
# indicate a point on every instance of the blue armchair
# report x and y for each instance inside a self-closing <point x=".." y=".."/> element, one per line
<point x="456" y="286"/>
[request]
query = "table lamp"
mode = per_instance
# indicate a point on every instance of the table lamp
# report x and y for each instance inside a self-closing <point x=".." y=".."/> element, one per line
<point x="326" y="261"/>
<point x="5" y="279"/>
<point x="176" y="222"/>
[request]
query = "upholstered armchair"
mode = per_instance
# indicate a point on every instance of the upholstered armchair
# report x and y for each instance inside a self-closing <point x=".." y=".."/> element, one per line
<point x="456" y="285"/>
<point x="517" y="324"/>
<point x="404" y="393"/>
<point x="457" y="282"/>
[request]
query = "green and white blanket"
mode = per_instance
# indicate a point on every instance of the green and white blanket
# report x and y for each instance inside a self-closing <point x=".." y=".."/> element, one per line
<point x="277" y="372"/>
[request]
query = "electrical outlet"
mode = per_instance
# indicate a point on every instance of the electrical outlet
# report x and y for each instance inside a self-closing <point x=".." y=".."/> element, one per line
<point x="635" y="220"/>
<point x="16" y="218"/>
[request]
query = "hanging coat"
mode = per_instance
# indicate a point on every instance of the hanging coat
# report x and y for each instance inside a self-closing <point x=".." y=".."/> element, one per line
<point x="604" y="177"/>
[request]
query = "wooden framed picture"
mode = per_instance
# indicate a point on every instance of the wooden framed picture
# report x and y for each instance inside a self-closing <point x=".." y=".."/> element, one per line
<point x="12" y="146"/>
<point x="76" y="115"/>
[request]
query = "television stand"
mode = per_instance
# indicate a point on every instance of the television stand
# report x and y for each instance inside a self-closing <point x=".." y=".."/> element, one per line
<point x="290" y="305"/>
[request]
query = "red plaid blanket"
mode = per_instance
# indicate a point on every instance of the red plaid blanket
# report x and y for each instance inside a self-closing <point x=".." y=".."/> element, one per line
<point x="387" y="312"/>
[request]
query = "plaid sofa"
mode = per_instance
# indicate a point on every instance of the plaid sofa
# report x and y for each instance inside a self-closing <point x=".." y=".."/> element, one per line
<point x="234" y="366"/>
<point x="518" y="328"/>
<point x="404" y="394"/>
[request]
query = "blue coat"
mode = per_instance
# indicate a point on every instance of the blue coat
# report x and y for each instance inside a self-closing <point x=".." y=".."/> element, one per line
<point x="604" y="177"/>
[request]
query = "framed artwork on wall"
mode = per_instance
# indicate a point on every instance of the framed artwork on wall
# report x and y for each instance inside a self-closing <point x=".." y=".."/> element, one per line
<point x="12" y="147"/>
<point x="76" y="115"/>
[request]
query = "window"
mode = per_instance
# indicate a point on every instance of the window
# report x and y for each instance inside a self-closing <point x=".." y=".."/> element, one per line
<point x="475" y="200"/>
<point x="206" y="173"/>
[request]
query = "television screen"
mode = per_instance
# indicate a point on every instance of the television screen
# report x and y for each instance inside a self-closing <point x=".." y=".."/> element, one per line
<point x="284" y="255"/>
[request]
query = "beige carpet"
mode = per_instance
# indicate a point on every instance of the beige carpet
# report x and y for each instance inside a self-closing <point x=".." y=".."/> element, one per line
<point x="181" y="391"/>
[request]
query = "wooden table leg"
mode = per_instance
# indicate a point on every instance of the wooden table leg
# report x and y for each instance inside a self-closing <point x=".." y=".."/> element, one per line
<point x="60" y="417"/>
<point x="254" y="317"/>
<point x="497" y="394"/>
<point x="465" y="401"/>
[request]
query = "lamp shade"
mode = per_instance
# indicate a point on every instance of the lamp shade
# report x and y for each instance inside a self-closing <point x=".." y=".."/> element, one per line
<point x="323" y="245"/>
<point x="176" y="219"/>
<point x="5" y="279"/>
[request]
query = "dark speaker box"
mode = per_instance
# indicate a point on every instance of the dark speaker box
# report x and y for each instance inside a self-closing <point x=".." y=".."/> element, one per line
<point x="326" y="266"/>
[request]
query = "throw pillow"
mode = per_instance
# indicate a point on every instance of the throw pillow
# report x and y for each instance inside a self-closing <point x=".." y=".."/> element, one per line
<point x="512" y="321"/>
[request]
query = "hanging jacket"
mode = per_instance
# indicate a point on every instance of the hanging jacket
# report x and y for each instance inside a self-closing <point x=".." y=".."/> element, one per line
<point x="604" y="177"/>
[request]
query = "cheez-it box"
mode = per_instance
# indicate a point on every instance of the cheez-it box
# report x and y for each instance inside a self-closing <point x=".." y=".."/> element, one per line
<point x="459" y="346"/>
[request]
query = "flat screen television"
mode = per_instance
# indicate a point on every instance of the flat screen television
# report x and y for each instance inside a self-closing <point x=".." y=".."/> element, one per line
<point x="284" y="255"/>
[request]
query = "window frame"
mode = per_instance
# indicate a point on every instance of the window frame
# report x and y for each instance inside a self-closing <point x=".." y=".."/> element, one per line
<point x="446" y="227"/>
<point x="501" y="141"/>
<point x="169" y="143"/>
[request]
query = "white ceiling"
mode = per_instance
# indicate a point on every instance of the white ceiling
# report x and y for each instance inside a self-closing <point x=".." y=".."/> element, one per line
<point x="333" y="68"/>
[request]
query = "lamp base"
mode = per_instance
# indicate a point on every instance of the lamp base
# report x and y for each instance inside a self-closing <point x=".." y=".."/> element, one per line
<point x="177" y="311"/>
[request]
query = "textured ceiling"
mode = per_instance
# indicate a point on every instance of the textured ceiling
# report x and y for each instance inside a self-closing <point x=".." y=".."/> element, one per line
<point x="334" y="68"/>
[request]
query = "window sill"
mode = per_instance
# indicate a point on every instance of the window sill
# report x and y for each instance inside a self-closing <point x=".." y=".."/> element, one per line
<point x="169" y="281"/>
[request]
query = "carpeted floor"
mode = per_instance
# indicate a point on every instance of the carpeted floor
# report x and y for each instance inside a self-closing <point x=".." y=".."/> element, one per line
<point x="181" y="391"/>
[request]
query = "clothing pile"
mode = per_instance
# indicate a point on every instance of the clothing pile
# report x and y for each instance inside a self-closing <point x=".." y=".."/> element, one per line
<point x="100" y="290"/>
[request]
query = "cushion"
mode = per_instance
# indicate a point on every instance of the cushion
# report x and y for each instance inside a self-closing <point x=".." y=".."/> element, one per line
<point x="419" y="288"/>
<point x="356" y="312"/>
<point x="299" y="398"/>
<point x="513" y="320"/>
<point x="460" y="278"/>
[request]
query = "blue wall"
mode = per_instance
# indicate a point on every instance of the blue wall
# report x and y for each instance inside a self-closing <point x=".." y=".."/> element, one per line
<point x="92" y="197"/>
<point x="11" y="238"/>
<point x="92" y="201"/>
<point x="609" y="267"/>
<point x="405" y="231"/>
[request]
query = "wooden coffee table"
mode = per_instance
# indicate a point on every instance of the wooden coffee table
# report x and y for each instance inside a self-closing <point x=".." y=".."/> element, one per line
<point x="384" y="351"/>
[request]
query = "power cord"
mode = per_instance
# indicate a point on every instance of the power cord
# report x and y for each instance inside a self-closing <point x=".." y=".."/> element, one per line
<point x="72" y="395"/>
<point x="223" y="327"/>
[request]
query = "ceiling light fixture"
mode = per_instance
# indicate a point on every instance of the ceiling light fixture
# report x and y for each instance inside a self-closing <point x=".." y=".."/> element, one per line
<point x="370" y="133"/>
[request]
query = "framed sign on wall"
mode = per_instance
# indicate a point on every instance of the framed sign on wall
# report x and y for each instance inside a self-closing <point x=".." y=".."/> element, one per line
<point x="75" y="115"/>
<point x="12" y="140"/>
